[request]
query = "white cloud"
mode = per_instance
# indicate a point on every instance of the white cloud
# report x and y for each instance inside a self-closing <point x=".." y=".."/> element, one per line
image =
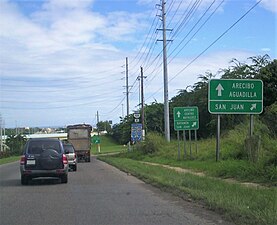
<point x="270" y="5"/>
<point x="265" y="49"/>
<point x="67" y="4"/>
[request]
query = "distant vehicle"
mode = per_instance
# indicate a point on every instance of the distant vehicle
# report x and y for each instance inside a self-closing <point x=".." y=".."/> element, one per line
<point x="79" y="136"/>
<point x="71" y="155"/>
<point x="43" y="157"/>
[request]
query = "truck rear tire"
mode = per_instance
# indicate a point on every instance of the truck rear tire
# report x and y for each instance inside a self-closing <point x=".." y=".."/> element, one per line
<point x="88" y="159"/>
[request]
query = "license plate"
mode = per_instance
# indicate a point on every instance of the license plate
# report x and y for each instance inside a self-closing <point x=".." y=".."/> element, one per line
<point x="31" y="162"/>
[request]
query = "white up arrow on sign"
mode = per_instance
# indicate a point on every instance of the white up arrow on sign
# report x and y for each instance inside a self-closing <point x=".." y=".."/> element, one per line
<point x="219" y="89"/>
<point x="178" y="114"/>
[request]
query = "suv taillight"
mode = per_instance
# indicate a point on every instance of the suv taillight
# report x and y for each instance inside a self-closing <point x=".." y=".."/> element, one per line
<point x="65" y="161"/>
<point x="22" y="160"/>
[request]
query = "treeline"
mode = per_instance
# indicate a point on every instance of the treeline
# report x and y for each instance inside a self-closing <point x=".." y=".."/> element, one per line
<point x="260" y="67"/>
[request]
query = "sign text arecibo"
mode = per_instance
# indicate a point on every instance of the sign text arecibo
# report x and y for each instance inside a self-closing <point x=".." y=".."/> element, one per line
<point x="238" y="96"/>
<point x="186" y="118"/>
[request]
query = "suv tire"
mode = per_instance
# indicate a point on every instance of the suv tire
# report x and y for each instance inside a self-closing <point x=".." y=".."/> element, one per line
<point x="24" y="180"/>
<point x="64" y="178"/>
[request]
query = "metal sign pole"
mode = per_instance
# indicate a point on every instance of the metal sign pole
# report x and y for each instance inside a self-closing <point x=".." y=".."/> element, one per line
<point x="178" y="137"/>
<point x="251" y="125"/>
<point x="218" y="138"/>
<point x="196" y="146"/>
<point x="190" y="144"/>
<point x="185" y="150"/>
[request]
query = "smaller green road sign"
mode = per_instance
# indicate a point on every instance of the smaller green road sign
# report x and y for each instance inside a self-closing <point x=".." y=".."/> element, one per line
<point x="95" y="139"/>
<point x="186" y="118"/>
<point x="239" y="96"/>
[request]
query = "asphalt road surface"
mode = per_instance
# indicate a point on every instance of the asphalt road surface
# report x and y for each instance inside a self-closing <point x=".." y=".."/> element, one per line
<point x="96" y="194"/>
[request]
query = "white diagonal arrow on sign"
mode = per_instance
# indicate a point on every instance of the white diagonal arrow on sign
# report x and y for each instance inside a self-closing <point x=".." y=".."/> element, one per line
<point x="253" y="106"/>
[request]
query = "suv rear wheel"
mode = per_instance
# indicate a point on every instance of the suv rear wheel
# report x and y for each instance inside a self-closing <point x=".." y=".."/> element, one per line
<point x="24" y="180"/>
<point x="64" y="178"/>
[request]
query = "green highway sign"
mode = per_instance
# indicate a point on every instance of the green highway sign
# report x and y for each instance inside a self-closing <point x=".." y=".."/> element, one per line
<point x="95" y="139"/>
<point x="186" y="118"/>
<point x="239" y="96"/>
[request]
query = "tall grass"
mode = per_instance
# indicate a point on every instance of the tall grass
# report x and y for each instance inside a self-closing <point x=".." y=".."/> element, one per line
<point x="234" y="162"/>
<point x="241" y="204"/>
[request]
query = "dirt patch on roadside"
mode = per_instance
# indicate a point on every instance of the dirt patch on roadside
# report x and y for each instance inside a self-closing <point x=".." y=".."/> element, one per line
<point x="201" y="174"/>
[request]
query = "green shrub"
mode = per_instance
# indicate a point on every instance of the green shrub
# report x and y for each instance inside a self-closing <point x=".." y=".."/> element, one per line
<point x="270" y="117"/>
<point x="153" y="142"/>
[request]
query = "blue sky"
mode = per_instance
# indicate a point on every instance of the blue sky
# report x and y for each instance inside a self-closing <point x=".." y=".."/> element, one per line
<point x="61" y="61"/>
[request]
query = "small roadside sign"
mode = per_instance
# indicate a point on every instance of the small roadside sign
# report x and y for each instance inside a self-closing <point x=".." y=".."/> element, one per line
<point x="96" y="139"/>
<point x="136" y="132"/>
<point x="237" y="96"/>
<point x="186" y="118"/>
<point x="137" y="117"/>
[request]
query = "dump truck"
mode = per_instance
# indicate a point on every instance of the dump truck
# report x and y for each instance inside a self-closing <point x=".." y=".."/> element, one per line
<point x="79" y="136"/>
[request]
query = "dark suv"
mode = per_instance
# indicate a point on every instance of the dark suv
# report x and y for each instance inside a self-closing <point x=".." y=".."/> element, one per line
<point x="43" y="157"/>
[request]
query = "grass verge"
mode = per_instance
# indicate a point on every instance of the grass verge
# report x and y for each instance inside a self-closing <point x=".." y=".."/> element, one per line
<point x="9" y="159"/>
<point x="107" y="145"/>
<point x="243" y="205"/>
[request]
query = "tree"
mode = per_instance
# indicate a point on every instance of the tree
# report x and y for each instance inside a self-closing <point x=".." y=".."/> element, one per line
<point x="268" y="74"/>
<point x="16" y="143"/>
<point x="121" y="132"/>
<point x="154" y="119"/>
<point x="104" y="126"/>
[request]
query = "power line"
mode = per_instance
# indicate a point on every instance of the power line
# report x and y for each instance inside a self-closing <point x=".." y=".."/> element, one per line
<point x="225" y="32"/>
<point x="216" y="40"/>
<point x="175" y="12"/>
<point x="194" y="27"/>
<point x="187" y="18"/>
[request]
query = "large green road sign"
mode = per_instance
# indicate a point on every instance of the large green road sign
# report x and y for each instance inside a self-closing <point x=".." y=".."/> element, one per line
<point x="186" y="118"/>
<point x="235" y="96"/>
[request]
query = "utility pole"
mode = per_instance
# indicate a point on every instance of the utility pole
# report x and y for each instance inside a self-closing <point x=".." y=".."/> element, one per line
<point x="127" y="88"/>
<point x="1" y="140"/>
<point x="166" y="103"/>
<point x="122" y="111"/>
<point x="98" y="144"/>
<point x="97" y="115"/>
<point x="142" y="103"/>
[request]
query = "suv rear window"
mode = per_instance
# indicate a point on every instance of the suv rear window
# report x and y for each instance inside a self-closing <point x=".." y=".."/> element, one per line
<point x="69" y="148"/>
<point x="36" y="147"/>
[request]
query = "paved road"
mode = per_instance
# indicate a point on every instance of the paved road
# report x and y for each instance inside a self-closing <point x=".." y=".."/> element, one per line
<point x="96" y="194"/>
